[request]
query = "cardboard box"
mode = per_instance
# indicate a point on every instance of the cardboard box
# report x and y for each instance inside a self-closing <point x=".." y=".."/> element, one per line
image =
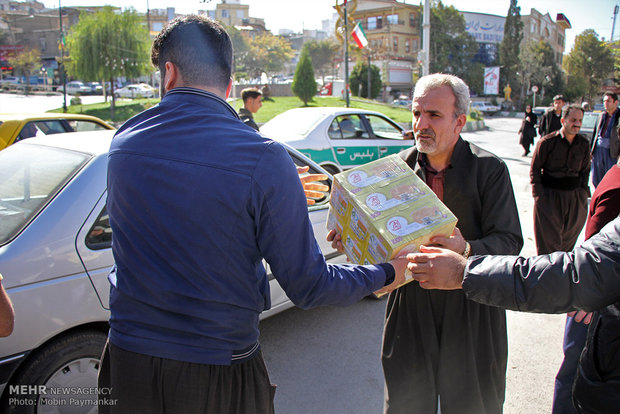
<point x="382" y="207"/>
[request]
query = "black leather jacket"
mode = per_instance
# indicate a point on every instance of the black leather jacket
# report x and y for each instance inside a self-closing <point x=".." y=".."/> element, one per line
<point x="587" y="278"/>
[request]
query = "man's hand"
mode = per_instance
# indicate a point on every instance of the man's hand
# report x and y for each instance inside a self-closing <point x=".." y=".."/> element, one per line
<point x="336" y="239"/>
<point x="455" y="242"/>
<point x="437" y="268"/>
<point x="311" y="188"/>
<point x="581" y="316"/>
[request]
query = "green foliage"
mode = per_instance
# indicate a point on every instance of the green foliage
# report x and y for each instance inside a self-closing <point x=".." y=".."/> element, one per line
<point x="26" y="62"/>
<point x="452" y="48"/>
<point x="538" y="67"/>
<point x="267" y="53"/>
<point x="304" y="85"/>
<point x="241" y="48"/>
<point x="359" y="76"/>
<point x="509" y="48"/>
<point x="322" y="53"/>
<point x="107" y="45"/>
<point x="592" y="60"/>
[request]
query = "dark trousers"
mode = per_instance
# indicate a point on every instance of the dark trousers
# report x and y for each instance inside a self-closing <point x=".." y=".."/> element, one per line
<point x="144" y="384"/>
<point x="438" y="343"/>
<point x="559" y="216"/>
<point x="575" y="334"/>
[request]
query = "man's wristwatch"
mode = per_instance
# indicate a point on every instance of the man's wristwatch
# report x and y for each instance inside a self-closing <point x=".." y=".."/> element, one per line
<point x="467" y="251"/>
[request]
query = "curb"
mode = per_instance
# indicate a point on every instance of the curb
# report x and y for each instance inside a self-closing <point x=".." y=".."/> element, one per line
<point x="472" y="126"/>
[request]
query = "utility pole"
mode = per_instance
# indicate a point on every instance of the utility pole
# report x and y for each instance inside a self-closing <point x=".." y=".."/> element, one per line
<point x="346" y="57"/>
<point x="63" y="77"/>
<point x="368" y="86"/>
<point x="426" y="41"/>
<point x="613" y="26"/>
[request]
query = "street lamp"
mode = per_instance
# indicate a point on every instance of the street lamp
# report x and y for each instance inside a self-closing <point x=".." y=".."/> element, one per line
<point x="63" y="78"/>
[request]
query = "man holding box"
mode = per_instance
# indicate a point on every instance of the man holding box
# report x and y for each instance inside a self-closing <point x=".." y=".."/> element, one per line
<point x="439" y="347"/>
<point x="196" y="201"/>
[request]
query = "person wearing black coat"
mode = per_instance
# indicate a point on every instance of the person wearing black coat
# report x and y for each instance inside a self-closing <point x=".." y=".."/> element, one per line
<point x="588" y="278"/>
<point x="527" y="132"/>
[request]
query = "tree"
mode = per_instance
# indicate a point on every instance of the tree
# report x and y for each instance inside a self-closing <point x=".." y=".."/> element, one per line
<point x="452" y="48"/>
<point x="304" y="84"/>
<point x="267" y="53"/>
<point x="106" y="45"/>
<point x="241" y="47"/>
<point x="538" y="67"/>
<point x="509" y="48"/>
<point x="359" y="77"/>
<point x="592" y="60"/>
<point x="322" y="53"/>
<point x="25" y="62"/>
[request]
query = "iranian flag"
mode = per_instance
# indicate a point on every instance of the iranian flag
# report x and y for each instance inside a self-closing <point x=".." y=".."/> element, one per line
<point x="359" y="36"/>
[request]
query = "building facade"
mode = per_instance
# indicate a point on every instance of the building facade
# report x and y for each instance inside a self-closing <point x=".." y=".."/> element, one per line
<point x="537" y="26"/>
<point x="393" y="30"/>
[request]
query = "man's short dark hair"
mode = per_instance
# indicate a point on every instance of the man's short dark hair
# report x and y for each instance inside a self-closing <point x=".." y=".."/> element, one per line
<point x="559" y="97"/>
<point x="567" y="108"/>
<point x="250" y="93"/>
<point x="612" y="95"/>
<point x="199" y="47"/>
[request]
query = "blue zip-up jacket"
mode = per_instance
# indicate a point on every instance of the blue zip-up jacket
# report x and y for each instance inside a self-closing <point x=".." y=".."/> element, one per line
<point x="196" y="200"/>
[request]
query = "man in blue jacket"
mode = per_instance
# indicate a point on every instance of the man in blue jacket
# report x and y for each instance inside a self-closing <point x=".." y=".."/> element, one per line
<point x="196" y="201"/>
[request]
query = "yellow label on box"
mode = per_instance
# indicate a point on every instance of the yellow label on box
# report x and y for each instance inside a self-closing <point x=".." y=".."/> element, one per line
<point x="383" y="206"/>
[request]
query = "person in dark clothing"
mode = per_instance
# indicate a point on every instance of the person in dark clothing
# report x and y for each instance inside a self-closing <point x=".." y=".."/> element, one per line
<point x="588" y="278"/>
<point x="527" y="132"/>
<point x="559" y="175"/>
<point x="604" y="207"/>
<point x="252" y="101"/>
<point x="550" y="121"/>
<point x="196" y="201"/>
<point x="605" y="142"/>
<point x="439" y="348"/>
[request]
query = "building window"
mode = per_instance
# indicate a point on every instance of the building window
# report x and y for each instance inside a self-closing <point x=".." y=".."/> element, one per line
<point x="379" y="22"/>
<point x="407" y="46"/>
<point x="225" y="14"/>
<point x="372" y="23"/>
<point x="533" y="27"/>
<point x="43" y="44"/>
<point x="392" y="19"/>
<point x="240" y="14"/>
<point x="415" y="44"/>
<point x="412" y="20"/>
<point x="395" y="44"/>
<point x="560" y="40"/>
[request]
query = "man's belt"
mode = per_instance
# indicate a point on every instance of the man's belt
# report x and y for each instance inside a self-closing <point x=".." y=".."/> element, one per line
<point x="563" y="183"/>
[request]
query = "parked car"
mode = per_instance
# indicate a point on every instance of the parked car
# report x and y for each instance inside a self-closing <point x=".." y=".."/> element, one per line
<point x="588" y="124"/>
<point x="9" y="82"/>
<point x="77" y="88"/>
<point x="485" y="107"/>
<point x="138" y="90"/>
<point x="337" y="138"/>
<point x="539" y="111"/>
<point x="95" y="88"/>
<point x="55" y="256"/>
<point x="16" y="127"/>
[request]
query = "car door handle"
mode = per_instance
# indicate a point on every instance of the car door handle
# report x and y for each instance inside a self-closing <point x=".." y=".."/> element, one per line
<point x="383" y="150"/>
<point x="341" y="150"/>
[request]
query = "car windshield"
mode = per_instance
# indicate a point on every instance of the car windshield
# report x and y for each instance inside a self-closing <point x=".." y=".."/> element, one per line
<point x="292" y="124"/>
<point x="31" y="176"/>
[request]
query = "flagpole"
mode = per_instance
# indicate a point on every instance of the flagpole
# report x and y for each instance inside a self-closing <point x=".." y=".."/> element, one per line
<point x="346" y="56"/>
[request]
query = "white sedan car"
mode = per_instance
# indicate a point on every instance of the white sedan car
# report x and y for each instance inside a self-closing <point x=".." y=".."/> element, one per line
<point x="337" y="138"/>
<point x="55" y="256"/>
<point x="138" y="90"/>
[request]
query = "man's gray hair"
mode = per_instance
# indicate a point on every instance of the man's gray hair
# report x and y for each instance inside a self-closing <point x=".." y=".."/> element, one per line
<point x="437" y="80"/>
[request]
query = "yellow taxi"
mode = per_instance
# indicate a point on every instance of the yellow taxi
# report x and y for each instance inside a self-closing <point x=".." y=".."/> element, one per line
<point x="16" y="127"/>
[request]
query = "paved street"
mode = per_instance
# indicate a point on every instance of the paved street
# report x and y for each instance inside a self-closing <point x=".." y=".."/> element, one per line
<point x="327" y="360"/>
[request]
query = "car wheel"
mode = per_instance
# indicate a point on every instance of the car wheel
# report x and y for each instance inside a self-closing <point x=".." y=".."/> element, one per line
<point x="64" y="367"/>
